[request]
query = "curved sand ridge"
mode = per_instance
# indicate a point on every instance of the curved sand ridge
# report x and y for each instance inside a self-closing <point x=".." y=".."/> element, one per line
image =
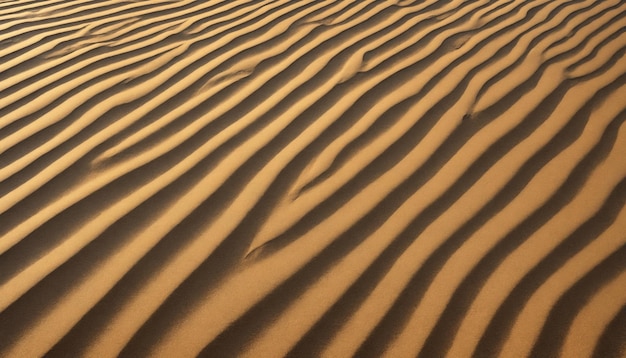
<point x="312" y="178"/>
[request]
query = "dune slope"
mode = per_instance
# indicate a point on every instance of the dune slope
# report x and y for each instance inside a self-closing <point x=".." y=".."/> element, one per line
<point x="330" y="178"/>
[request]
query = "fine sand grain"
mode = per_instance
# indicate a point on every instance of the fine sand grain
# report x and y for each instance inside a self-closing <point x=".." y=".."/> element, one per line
<point x="313" y="178"/>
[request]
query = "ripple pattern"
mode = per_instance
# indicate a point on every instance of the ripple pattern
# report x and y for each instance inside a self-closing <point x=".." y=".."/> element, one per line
<point x="323" y="178"/>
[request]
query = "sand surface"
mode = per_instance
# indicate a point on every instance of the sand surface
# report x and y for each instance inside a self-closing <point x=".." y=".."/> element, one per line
<point x="312" y="178"/>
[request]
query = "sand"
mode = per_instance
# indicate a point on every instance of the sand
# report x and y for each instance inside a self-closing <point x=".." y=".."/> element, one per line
<point x="312" y="178"/>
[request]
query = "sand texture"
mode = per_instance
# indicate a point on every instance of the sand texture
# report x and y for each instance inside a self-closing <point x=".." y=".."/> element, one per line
<point x="313" y="178"/>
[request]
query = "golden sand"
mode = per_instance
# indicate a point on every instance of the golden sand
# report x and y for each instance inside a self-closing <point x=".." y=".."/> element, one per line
<point x="268" y="178"/>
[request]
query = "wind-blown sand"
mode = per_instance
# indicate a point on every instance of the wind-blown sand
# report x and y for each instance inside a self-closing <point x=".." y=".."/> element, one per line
<point x="326" y="178"/>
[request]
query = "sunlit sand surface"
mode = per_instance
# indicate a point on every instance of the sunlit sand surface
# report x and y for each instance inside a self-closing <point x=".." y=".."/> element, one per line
<point x="312" y="178"/>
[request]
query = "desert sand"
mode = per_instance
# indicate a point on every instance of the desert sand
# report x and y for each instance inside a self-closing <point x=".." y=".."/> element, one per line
<point x="312" y="178"/>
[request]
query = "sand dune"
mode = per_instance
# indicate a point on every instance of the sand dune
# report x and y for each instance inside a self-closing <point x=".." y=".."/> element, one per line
<point x="272" y="178"/>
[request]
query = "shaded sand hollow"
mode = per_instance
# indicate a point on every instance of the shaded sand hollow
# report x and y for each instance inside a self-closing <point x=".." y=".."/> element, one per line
<point x="312" y="178"/>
